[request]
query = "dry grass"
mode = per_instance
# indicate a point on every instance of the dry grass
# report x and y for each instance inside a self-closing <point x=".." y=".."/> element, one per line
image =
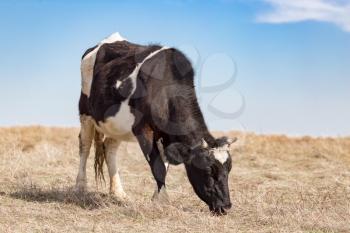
<point x="278" y="184"/>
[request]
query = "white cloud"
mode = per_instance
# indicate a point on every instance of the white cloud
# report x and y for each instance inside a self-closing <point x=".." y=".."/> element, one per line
<point x="285" y="11"/>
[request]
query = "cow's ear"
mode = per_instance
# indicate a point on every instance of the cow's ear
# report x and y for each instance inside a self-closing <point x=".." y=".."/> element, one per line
<point x="231" y="140"/>
<point x="225" y="141"/>
<point x="177" y="153"/>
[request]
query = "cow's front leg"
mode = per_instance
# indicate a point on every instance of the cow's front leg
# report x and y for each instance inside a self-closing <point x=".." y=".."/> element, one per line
<point x="115" y="184"/>
<point x="149" y="147"/>
<point x="161" y="194"/>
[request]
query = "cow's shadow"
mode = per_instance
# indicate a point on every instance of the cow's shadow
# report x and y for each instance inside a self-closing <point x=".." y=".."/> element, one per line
<point x="68" y="195"/>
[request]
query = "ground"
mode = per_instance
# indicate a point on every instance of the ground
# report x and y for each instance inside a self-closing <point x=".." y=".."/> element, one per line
<point x="277" y="184"/>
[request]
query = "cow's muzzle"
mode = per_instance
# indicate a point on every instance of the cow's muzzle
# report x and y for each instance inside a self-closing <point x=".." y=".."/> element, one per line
<point x="220" y="210"/>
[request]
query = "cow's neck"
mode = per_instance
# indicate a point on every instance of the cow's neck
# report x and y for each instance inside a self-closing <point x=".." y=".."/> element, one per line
<point x="195" y="136"/>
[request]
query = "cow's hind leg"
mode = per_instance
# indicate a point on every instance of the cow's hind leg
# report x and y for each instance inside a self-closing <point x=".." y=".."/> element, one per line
<point x="149" y="147"/>
<point x="86" y="136"/>
<point x="115" y="185"/>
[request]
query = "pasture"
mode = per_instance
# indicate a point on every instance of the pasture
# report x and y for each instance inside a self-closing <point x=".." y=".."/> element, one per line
<point x="277" y="184"/>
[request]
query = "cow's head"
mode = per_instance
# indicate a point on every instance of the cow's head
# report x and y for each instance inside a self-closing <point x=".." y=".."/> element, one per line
<point x="207" y="169"/>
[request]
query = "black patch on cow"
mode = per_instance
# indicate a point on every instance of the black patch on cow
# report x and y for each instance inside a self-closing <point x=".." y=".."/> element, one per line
<point x="88" y="51"/>
<point x="165" y="94"/>
<point x="83" y="104"/>
<point x="182" y="66"/>
<point x="112" y="110"/>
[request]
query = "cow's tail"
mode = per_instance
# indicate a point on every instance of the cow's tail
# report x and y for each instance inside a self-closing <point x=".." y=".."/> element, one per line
<point x="100" y="157"/>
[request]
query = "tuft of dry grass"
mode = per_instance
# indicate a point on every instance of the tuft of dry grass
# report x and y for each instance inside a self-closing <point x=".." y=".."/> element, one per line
<point x="278" y="184"/>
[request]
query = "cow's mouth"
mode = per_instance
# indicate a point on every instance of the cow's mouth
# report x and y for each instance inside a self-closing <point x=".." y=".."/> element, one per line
<point x="220" y="210"/>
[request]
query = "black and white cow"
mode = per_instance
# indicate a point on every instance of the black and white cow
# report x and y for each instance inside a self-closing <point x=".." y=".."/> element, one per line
<point x="147" y="93"/>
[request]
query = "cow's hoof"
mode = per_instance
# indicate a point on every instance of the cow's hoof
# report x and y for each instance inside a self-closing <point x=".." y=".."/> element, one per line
<point x="81" y="187"/>
<point x="120" y="196"/>
<point x="161" y="197"/>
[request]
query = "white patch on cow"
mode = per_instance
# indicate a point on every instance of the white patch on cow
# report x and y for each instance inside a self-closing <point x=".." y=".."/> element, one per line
<point x="120" y="125"/>
<point x="162" y="154"/>
<point x="115" y="185"/>
<point x="113" y="38"/>
<point x="117" y="85"/>
<point x="88" y="63"/>
<point x="221" y="154"/>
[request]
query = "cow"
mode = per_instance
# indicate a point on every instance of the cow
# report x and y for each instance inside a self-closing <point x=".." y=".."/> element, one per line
<point x="146" y="94"/>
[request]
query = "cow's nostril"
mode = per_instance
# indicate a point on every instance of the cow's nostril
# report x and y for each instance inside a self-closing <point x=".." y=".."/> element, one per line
<point x="223" y="211"/>
<point x="219" y="211"/>
<point x="228" y="206"/>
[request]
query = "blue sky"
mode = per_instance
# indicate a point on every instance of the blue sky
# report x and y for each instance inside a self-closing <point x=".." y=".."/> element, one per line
<point x="290" y="60"/>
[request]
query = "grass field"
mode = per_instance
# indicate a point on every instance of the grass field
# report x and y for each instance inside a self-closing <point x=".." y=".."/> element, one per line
<point x="278" y="184"/>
